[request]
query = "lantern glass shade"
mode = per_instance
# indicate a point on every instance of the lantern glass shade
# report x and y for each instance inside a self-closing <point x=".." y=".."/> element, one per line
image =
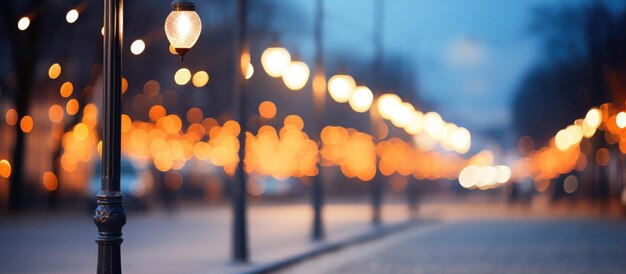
<point x="297" y="75"/>
<point x="275" y="61"/>
<point x="341" y="87"/>
<point x="183" y="29"/>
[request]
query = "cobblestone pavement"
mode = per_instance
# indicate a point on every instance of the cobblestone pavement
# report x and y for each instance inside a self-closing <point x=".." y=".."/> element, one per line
<point x="557" y="245"/>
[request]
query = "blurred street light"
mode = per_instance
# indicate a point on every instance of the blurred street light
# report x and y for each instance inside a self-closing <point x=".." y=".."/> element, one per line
<point x="71" y="16"/>
<point x="182" y="76"/>
<point x="183" y="26"/>
<point x="460" y="140"/>
<point x="275" y="60"/>
<point x="341" y="87"/>
<point x="137" y="47"/>
<point x="594" y="117"/>
<point x="297" y="75"/>
<point x="361" y="99"/>
<point x="200" y="79"/>
<point x="23" y="23"/>
<point x="387" y="104"/>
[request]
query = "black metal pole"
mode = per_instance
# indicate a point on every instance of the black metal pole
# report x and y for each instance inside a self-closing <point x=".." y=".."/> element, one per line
<point x="412" y="197"/>
<point x="109" y="216"/>
<point x="376" y="187"/>
<point x="242" y="57"/>
<point x="319" y="96"/>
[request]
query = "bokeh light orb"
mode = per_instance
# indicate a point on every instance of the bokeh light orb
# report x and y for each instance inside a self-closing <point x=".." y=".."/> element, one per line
<point x="275" y="61"/>
<point x="361" y="99"/>
<point x="340" y="87"/>
<point x="182" y="76"/>
<point x="297" y="75"/>
<point x="71" y="16"/>
<point x="137" y="47"/>
<point x="23" y="23"/>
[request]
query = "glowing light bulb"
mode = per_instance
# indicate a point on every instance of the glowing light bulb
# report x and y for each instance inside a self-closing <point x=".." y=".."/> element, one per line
<point x="341" y="87"/>
<point x="296" y="75"/>
<point x="71" y="16"/>
<point x="433" y="124"/>
<point x="361" y="99"/>
<point x="183" y="26"/>
<point x="23" y="23"/>
<point x="387" y="104"/>
<point x="137" y="47"/>
<point x="402" y="115"/>
<point x="200" y="79"/>
<point x="275" y="61"/>
<point x="461" y="140"/>
<point x="182" y="76"/>
<point x="594" y="117"/>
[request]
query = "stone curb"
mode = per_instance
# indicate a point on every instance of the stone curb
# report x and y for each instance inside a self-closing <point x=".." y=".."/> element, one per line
<point x="375" y="233"/>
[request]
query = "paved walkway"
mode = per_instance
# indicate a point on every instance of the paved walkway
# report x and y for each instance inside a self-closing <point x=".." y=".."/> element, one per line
<point x="194" y="240"/>
<point x="197" y="240"/>
<point x="552" y="246"/>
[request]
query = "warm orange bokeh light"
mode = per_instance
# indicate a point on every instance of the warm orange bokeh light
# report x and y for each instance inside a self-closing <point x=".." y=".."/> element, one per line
<point x="603" y="157"/>
<point x="54" y="71"/>
<point x="126" y="123"/>
<point x="200" y="79"/>
<point x="294" y="120"/>
<point x="5" y="168"/>
<point x="354" y="152"/>
<point x="66" y="89"/>
<point x="194" y="115"/>
<point x="55" y="113"/>
<point x="72" y="107"/>
<point x="267" y="110"/>
<point x="151" y="88"/>
<point x="156" y="112"/>
<point x="11" y="117"/>
<point x="80" y="131"/>
<point x="124" y="85"/>
<point x="49" y="181"/>
<point x="26" y="124"/>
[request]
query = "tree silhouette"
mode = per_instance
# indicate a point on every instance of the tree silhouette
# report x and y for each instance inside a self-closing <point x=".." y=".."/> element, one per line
<point x="582" y="66"/>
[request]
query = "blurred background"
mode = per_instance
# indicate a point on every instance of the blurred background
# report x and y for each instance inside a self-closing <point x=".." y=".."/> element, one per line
<point x="457" y="108"/>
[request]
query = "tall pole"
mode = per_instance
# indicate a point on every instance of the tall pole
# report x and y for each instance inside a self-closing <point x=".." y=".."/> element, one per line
<point x="109" y="216"/>
<point x="376" y="187"/>
<point x="242" y="57"/>
<point x="319" y="98"/>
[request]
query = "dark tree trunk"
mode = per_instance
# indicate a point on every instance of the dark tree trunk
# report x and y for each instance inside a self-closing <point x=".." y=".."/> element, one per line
<point x="25" y="54"/>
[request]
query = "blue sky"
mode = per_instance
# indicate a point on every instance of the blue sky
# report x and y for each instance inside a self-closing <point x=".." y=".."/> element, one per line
<point x="469" y="55"/>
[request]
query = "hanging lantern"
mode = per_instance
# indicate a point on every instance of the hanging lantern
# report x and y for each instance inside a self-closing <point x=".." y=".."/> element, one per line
<point x="183" y="26"/>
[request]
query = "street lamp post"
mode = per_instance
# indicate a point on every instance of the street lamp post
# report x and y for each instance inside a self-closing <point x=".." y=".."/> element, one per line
<point x="183" y="29"/>
<point x="377" y="187"/>
<point x="319" y="98"/>
<point x="242" y="57"/>
<point x="109" y="216"/>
